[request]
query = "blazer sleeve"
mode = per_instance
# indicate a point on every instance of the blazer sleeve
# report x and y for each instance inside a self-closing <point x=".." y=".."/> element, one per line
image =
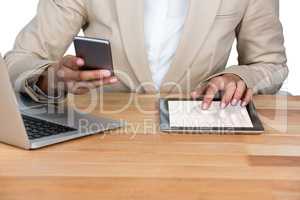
<point x="260" y="45"/>
<point x="44" y="40"/>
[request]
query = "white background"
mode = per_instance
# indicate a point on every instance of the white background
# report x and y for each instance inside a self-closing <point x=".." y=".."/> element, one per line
<point x="14" y="14"/>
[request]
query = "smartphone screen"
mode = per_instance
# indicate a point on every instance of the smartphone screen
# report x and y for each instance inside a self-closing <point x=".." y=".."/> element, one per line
<point x="96" y="53"/>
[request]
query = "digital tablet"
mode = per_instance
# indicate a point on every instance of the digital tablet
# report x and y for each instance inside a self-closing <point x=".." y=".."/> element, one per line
<point x="185" y="115"/>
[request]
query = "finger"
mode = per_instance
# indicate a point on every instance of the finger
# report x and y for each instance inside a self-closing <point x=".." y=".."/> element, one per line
<point x="199" y="92"/>
<point x="68" y="74"/>
<point x="247" y="98"/>
<point x="107" y="81"/>
<point x="78" y="88"/>
<point x="211" y="91"/>
<point x="239" y="93"/>
<point x="93" y="84"/>
<point x="228" y="94"/>
<point x="72" y="62"/>
<point x="94" y="75"/>
<point x="80" y="91"/>
<point x="82" y="87"/>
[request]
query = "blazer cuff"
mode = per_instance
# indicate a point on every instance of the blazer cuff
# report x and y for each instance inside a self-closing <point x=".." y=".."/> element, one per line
<point x="27" y="85"/>
<point x="239" y="70"/>
<point x="39" y="96"/>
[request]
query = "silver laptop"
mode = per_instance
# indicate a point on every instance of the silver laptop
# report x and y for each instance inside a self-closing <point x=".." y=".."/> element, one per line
<point x="29" y="125"/>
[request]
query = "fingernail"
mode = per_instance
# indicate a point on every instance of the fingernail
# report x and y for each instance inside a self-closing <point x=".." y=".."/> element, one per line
<point x="106" y="73"/>
<point x="223" y="105"/>
<point x="113" y="80"/>
<point x="234" y="102"/>
<point x="204" y="106"/>
<point x="244" y="104"/>
<point x="80" y="62"/>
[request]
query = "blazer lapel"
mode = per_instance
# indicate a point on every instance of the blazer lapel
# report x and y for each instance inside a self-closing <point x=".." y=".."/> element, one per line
<point x="199" y="21"/>
<point x="131" y="20"/>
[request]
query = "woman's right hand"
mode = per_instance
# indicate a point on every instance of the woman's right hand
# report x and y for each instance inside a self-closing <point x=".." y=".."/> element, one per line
<point x="68" y="74"/>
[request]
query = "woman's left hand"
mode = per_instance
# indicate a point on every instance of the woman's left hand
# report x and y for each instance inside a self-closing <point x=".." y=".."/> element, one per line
<point x="233" y="87"/>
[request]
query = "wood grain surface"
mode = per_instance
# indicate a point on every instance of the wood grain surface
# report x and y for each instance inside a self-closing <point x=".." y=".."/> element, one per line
<point x="139" y="162"/>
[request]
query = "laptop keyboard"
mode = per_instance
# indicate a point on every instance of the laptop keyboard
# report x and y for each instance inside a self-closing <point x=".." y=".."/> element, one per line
<point x="37" y="128"/>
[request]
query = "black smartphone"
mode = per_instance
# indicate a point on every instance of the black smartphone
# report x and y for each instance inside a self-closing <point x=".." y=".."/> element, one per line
<point x="96" y="53"/>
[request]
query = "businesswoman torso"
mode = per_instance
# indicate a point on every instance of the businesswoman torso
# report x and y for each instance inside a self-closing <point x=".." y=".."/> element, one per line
<point x="210" y="28"/>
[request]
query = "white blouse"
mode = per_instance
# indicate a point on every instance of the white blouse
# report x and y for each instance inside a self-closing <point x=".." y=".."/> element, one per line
<point x="164" y="23"/>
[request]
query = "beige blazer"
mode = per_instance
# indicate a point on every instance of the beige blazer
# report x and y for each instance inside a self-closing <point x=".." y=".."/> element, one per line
<point x="210" y="30"/>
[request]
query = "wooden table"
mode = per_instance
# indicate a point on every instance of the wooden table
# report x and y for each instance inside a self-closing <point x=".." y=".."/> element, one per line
<point x="138" y="162"/>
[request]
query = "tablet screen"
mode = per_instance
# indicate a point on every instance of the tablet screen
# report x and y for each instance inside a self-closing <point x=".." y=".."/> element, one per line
<point x="190" y="114"/>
